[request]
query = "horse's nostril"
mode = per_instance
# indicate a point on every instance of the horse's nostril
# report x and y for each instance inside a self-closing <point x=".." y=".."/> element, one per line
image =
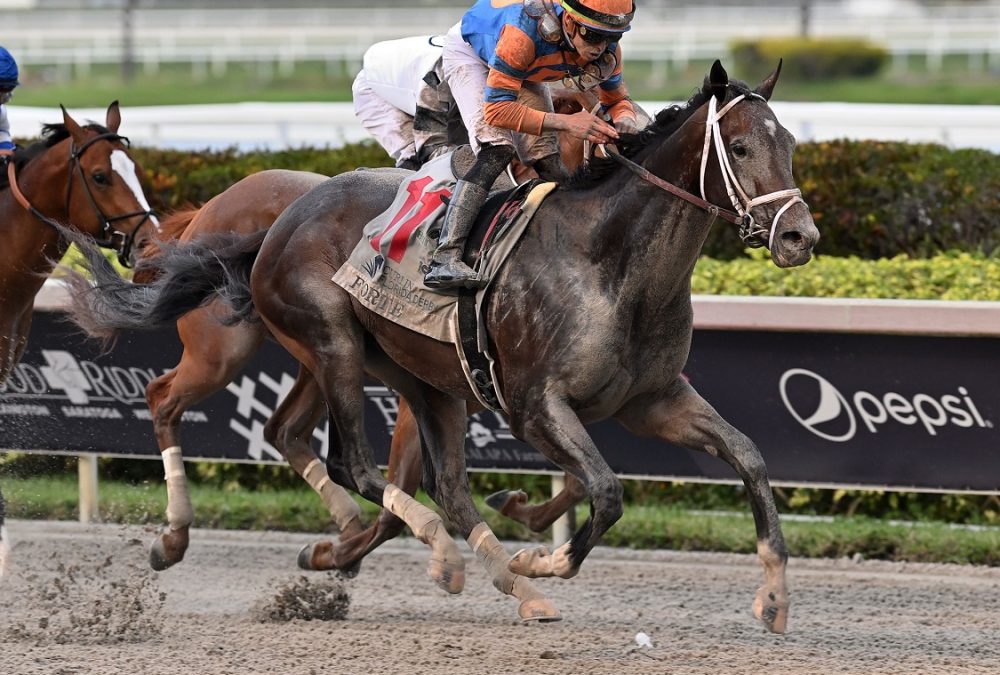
<point x="793" y="240"/>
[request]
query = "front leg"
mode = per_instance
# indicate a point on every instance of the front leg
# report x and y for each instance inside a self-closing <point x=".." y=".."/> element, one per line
<point x="556" y="431"/>
<point x="442" y="422"/>
<point x="682" y="417"/>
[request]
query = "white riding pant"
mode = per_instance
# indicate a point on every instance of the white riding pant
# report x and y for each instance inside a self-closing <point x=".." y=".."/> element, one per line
<point x="466" y="74"/>
<point x="401" y="135"/>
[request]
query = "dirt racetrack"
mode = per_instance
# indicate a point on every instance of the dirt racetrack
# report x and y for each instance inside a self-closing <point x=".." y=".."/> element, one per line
<point x="82" y="599"/>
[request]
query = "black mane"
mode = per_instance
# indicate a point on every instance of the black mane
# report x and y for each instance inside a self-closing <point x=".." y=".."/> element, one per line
<point x="667" y="121"/>
<point x="52" y="135"/>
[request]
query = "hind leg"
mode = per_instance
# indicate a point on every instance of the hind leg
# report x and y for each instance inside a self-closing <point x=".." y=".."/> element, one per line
<point x="684" y="418"/>
<point x="319" y="328"/>
<point x="213" y="355"/>
<point x="442" y="422"/>
<point x="405" y="470"/>
<point x="290" y="430"/>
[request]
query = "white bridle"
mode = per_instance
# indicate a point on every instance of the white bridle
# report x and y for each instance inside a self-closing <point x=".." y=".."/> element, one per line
<point x="742" y="203"/>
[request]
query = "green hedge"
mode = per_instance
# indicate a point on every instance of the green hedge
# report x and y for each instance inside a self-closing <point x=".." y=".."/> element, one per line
<point x="175" y="178"/>
<point x="879" y="199"/>
<point x="807" y="58"/>
<point x="949" y="276"/>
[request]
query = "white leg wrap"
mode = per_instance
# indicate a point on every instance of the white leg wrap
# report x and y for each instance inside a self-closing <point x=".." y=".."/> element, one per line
<point x="340" y="504"/>
<point x="494" y="558"/>
<point x="180" y="513"/>
<point x="421" y="519"/>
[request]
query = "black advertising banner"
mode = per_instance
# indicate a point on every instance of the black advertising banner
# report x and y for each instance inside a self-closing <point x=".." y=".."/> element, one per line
<point x="825" y="408"/>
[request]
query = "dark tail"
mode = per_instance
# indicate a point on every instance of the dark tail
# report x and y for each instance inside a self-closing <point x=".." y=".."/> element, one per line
<point x="188" y="275"/>
<point x="172" y="226"/>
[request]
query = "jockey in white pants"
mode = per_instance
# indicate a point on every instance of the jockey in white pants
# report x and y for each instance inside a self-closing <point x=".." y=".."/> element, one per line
<point x="401" y="98"/>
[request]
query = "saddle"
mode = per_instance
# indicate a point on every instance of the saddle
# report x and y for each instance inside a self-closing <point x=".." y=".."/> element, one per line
<point x="386" y="269"/>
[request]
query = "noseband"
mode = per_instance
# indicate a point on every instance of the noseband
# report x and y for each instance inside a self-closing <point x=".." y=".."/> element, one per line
<point x="110" y="237"/>
<point x="752" y="233"/>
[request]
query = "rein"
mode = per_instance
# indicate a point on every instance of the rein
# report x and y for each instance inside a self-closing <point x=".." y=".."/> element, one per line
<point x="751" y="232"/>
<point x="121" y="242"/>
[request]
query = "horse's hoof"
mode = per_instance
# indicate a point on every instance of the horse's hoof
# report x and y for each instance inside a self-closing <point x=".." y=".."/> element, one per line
<point x="499" y="501"/>
<point x="532" y="562"/>
<point x="159" y="559"/>
<point x="540" y="610"/>
<point x="311" y="556"/>
<point x="168" y="549"/>
<point x="771" y="609"/>
<point x="449" y="576"/>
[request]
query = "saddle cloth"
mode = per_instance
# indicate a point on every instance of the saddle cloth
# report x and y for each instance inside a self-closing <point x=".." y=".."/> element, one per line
<point x="385" y="272"/>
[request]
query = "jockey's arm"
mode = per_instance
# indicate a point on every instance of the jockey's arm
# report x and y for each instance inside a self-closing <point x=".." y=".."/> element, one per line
<point x="6" y="142"/>
<point x="509" y="67"/>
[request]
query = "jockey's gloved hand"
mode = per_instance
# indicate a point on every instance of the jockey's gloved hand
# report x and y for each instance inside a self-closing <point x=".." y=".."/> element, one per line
<point x="6" y="153"/>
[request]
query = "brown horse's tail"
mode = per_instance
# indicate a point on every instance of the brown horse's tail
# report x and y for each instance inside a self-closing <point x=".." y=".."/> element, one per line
<point x="188" y="275"/>
<point x="171" y="227"/>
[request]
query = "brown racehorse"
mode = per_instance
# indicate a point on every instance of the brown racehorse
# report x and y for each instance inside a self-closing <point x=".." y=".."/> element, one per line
<point x="213" y="354"/>
<point x="589" y="318"/>
<point x="81" y="177"/>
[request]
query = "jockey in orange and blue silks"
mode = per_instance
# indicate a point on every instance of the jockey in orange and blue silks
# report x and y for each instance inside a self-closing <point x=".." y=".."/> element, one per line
<point x="496" y="62"/>
<point x="519" y="48"/>
<point x="8" y="82"/>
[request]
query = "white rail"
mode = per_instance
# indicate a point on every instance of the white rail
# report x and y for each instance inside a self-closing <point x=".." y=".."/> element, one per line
<point x="824" y="315"/>
<point x="665" y="33"/>
<point x="281" y="125"/>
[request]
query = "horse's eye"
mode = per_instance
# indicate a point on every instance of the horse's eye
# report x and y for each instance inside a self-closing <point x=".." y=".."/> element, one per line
<point x="101" y="178"/>
<point x="738" y="150"/>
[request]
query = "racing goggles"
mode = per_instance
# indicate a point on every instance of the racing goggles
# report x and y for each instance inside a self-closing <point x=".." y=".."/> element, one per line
<point x="595" y="37"/>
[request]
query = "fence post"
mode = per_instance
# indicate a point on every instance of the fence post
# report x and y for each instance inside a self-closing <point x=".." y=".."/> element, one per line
<point x="87" y="468"/>
<point x="563" y="527"/>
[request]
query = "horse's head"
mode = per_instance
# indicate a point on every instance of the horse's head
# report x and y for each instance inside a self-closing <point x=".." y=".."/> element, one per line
<point x="104" y="196"/>
<point x="749" y="166"/>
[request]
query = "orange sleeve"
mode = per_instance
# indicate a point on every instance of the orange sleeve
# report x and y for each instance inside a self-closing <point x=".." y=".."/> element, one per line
<point x="515" y="52"/>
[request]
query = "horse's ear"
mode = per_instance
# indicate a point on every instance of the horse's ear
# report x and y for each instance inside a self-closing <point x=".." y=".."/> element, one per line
<point x="766" y="88"/>
<point x="113" y="118"/>
<point x="74" y="129"/>
<point x="718" y="78"/>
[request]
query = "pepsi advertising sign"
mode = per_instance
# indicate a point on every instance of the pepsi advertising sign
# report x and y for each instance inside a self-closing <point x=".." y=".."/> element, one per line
<point x="906" y="412"/>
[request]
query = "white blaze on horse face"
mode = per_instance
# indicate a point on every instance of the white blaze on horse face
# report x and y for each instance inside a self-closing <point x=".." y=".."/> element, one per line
<point x="772" y="127"/>
<point x="123" y="165"/>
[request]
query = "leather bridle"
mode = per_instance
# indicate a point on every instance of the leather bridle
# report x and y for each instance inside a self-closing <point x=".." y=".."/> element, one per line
<point x="751" y="232"/>
<point x="110" y="237"/>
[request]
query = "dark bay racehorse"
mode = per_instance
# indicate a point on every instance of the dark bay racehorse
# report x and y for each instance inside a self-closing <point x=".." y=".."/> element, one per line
<point x="213" y="354"/>
<point x="81" y="177"/>
<point x="590" y="318"/>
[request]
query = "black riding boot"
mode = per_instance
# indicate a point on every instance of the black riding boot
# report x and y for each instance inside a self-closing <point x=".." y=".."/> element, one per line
<point x="447" y="268"/>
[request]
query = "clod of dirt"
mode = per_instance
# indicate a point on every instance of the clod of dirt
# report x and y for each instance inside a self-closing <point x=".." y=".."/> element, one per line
<point x="322" y="600"/>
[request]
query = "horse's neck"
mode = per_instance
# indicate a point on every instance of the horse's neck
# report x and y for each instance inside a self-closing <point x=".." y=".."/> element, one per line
<point x="30" y="245"/>
<point x="649" y="240"/>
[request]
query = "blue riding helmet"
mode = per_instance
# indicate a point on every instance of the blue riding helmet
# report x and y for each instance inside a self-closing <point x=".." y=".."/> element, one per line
<point x="8" y="70"/>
